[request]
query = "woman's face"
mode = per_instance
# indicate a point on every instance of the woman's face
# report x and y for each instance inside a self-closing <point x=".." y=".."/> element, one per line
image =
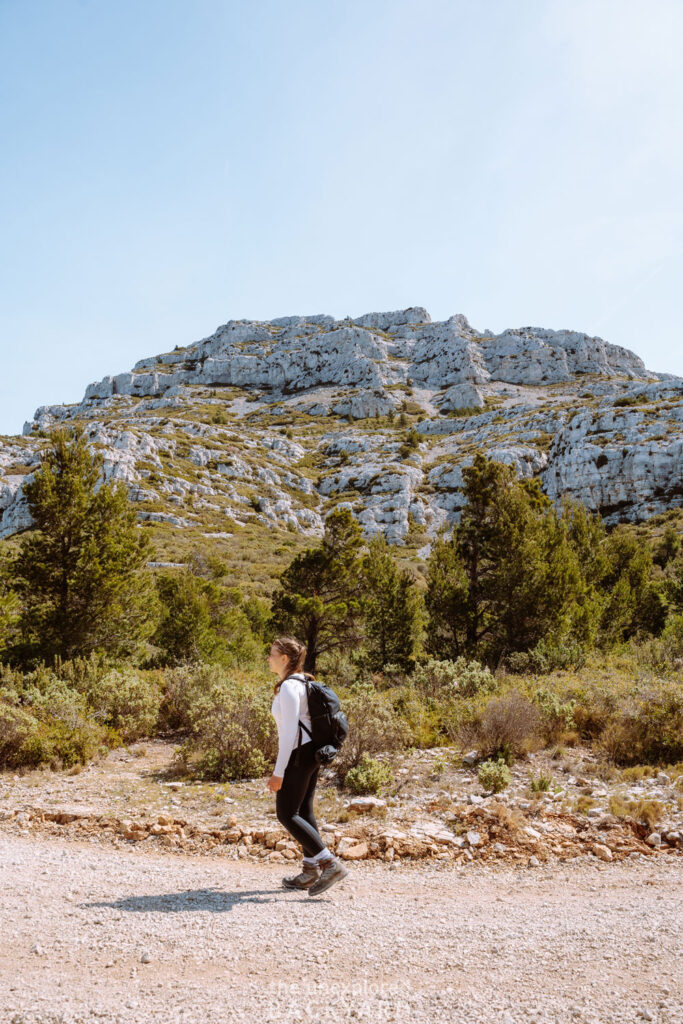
<point x="277" y="661"/>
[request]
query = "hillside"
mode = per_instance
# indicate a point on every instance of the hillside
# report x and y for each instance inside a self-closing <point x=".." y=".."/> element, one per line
<point x="254" y="433"/>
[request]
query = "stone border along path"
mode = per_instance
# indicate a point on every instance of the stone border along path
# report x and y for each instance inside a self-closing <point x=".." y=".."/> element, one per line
<point x="489" y="833"/>
<point x="93" y="933"/>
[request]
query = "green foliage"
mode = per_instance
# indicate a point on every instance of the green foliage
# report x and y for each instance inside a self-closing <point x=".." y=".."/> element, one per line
<point x="374" y="726"/>
<point x="537" y="587"/>
<point x="548" y="655"/>
<point x="672" y="584"/>
<point x="201" y="620"/>
<point x="557" y="715"/>
<point x="318" y="598"/>
<point x="541" y="783"/>
<point x="44" y="720"/>
<point x="435" y="678"/>
<point x="509" y="575"/>
<point x="647" y="727"/>
<point x="411" y="442"/>
<point x="665" y="653"/>
<point x="368" y="776"/>
<point x="391" y="608"/>
<point x="667" y="548"/>
<point x="494" y="775"/>
<point x="635" y="605"/>
<point x="127" y="701"/>
<point x="80" y="575"/>
<point x="10" y="610"/>
<point x="232" y="731"/>
<point x="17" y="728"/>
<point x="184" y="632"/>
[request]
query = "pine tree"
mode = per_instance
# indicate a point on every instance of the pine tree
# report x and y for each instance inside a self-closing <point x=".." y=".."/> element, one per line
<point x="391" y="608"/>
<point x="80" y="574"/>
<point x="445" y="601"/>
<point x="9" y="608"/>
<point x="318" y="600"/>
<point x="635" y="603"/>
<point x="510" y="576"/>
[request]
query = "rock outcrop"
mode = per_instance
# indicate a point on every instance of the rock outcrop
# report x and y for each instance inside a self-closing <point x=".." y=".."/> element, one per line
<point x="198" y="427"/>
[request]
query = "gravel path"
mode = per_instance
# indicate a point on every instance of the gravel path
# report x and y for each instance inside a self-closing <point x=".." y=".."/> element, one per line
<point x="579" y="942"/>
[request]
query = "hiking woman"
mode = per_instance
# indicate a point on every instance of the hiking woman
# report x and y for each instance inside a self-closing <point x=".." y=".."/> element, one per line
<point x="294" y="777"/>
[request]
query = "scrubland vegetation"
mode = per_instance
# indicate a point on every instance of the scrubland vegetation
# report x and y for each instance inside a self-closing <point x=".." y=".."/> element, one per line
<point x="528" y="627"/>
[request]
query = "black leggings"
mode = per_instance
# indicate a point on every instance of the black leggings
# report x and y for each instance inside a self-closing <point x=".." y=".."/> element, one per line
<point x="294" y="800"/>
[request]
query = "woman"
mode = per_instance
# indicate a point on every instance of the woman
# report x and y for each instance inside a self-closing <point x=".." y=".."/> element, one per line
<point x="293" y="783"/>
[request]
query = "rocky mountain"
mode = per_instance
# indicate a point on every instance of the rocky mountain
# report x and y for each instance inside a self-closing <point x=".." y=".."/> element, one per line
<point x="267" y="425"/>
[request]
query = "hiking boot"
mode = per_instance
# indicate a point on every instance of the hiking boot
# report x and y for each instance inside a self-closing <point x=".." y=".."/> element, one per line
<point x="333" y="871"/>
<point x="308" y="875"/>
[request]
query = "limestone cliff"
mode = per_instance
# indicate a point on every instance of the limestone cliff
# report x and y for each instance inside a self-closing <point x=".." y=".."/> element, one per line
<point x="275" y="422"/>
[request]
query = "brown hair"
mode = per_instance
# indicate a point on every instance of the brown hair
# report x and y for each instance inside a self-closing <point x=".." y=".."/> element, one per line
<point x="296" y="655"/>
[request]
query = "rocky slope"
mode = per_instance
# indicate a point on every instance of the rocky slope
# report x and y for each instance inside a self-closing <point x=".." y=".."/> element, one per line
<point x="271" y="424"/>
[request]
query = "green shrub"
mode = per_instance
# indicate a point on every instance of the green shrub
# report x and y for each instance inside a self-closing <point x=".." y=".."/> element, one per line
<point x="232" y="731"/>
<point x="647" y="728"/>
<point x="368" y="776"/>
<point x="446" y="678"/>
<point x="54" y="724"/>
<point x="494" y="775"/>
<point x="425" y="719"/>
<point x="541" y="783"/>
<point x="665" y="652"/>
<point x="127" y="701"/>
<point x="557" y="715"/>
<point x="17" y="727"/>
<point x="184" y="686"/>
<point x="548" y="655"/>
<point x="374" y="726"/>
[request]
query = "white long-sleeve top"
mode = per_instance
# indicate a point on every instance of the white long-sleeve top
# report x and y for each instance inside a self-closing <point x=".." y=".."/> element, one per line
<point x="290" y="705"/>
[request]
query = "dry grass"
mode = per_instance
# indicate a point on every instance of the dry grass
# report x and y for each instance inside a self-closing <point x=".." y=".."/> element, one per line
<point x="649" y="812"/>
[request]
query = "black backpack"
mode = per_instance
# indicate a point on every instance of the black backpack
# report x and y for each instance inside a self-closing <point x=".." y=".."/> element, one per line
<point x="329" y="724"/>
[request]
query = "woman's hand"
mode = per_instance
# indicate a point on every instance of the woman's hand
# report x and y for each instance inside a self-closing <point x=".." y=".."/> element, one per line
<point x="274" y="783"/>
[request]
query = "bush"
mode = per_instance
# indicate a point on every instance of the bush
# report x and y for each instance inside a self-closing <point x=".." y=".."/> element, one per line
<point x="665" y="652"/>
<point x="647" y="728"/>
<point x="541" y="783"/>
<point x="425" y="719"/>
<point x="339" y="667"/>
<point x="548" y="655"/>
<point x="494" y="775"/>
<point x="557" y="715"/>
<point x="53" y="725"/>
<point x="16" y="730"/>
<point x="446" y="678"/>
<point x="127" y="701"/>
<point x="504" y="727"/>
<point x="374" y="726"/>
<point x="184" y="687"/>
<point x="368" y="776"/>
<point x="232" y="732"/>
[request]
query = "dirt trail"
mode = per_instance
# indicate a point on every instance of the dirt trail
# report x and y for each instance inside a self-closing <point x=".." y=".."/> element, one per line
<point x="554" y="944"/>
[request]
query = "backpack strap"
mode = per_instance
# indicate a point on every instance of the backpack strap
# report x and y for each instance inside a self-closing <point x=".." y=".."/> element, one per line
<point x="301" y="724"/>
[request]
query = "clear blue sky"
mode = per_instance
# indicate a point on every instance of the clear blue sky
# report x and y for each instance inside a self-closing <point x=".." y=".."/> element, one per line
<point x="170" y="165"/>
